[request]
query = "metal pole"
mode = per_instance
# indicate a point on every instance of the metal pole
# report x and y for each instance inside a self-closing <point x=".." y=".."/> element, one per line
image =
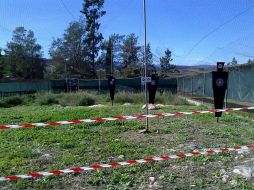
<point x="146" y="95"/>
<point x="111" y="57"/>
<point x="203" y="89"/>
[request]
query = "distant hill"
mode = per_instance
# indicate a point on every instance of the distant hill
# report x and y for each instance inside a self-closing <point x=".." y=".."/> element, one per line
<point x="191" y="67"/>
<point x="189" y="70"/>
<point x="199" y="67"/>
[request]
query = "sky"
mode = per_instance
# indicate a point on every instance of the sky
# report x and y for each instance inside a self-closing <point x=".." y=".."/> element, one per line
<point x="196" y="31"/>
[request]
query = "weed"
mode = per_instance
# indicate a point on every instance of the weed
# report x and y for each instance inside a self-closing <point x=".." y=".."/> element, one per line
<point x="3" y="104"/>
<point x="47" y="99"/>
<point x="11" y="101"/>
<point x="86" y="101"/>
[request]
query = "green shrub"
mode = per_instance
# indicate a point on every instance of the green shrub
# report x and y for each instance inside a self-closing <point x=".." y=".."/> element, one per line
<point x="30" y="98"/>
<point x="171" y="99"/>
<point x="77" y="99"/>
<point x="3" y="104"/>
<point x="88" y="98"/>
<point x="69" y="99"/>
<point x="138" y="98"/>
<point x="124" y="97"/>
<point x="129" y="97"/>
<point x="86" y="101"/>
<point x="13" y="101"/>
<point x="47" y="99"/>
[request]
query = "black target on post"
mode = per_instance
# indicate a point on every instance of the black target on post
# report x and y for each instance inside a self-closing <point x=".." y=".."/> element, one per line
<point x="112" y="86"/>
<point x="152" y="87"/>
<point x="219" y="84"/>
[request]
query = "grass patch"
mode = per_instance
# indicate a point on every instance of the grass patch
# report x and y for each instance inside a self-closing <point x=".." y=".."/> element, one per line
<point x="47" y="148"/>
<point x="77" y="99"/>
<point x="170" y="99"/>
<point x="128" y="97"/>
<point x="138" y="98"/>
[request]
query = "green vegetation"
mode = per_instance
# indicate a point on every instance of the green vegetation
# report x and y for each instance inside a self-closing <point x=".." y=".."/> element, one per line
<point x="11" y="101"/>
<point x="45" y="148"/>
<point x="128" y="97"/>
<point x="85" y="99"/>
<point x="47" y="99"/>
<point x="23" y="56"/>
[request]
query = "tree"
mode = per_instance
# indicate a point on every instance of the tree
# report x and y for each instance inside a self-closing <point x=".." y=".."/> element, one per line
<point x="130" y="60"/>
<point x="117" y="42"/>
<point x="92" y="9"/>
<point x="250" y="61"/>
<point x="68" y="52"/>
<point x="233" y="62"/>
<point x="149" y="58"/>
<point x="165" y="63"/>
<point x="109" y="54"/>
<point x="25" y="55"/>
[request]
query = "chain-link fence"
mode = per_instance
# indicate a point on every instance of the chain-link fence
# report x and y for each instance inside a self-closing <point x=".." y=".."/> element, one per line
<point x="240" y="84"/>
<point x="134" y="84"/>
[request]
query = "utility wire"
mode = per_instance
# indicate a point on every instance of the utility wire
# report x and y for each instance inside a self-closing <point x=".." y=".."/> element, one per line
<point x="243" y="54"/>
<point x="217" y="28"/>
<point x="233" y="47"/>
<point x="106" y="25"/>
<point x="155" y="56"/>
<point x="66" y="8"/>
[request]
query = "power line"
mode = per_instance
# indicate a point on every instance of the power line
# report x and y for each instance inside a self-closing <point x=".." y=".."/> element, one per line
<point x="156" y="61"/>
<point x="66" y="8"/>
<point x="117" y="16"/>
<point x="233" y="47"/>
<point x="243" y="54"/>
<point x="217" y="28"/>
<point x="155" y="56"/>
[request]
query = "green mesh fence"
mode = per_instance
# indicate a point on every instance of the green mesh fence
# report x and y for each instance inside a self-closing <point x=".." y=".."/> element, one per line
<point x="240" y="84"/>
<point x="24" y="87"/>
<point x="59" y="85"/>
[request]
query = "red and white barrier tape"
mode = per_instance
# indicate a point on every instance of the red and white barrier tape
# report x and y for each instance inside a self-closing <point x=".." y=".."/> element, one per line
<point x="128" y="162"/>
<point x="54" y="123"/>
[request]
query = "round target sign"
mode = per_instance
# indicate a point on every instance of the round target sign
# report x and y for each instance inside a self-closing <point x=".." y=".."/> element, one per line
<point x="220" y="66"/>
<point x="219" y="82"/>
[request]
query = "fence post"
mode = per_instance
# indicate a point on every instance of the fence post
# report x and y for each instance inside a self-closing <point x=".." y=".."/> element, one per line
<point x="78" y="85"/>
<point x="191" y="86"/>
<point x="183" y="88"/>
<point x="177" y="86"/>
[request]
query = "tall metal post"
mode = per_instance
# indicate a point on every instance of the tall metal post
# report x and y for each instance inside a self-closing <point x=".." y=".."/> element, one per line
<point x="204" y="78"/>
<point x="145" y="60"/>
<point x="111" y="57"/>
